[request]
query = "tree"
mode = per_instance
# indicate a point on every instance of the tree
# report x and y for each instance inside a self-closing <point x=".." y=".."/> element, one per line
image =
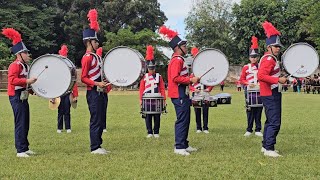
<point x="312" y="25"/>
<point x="286" y="15"/>
<point x="5" y="56"/>
<point x="209" y="25"/>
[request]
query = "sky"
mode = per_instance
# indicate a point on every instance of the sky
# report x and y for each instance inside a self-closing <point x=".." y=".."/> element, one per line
<point x="176" y="11"/>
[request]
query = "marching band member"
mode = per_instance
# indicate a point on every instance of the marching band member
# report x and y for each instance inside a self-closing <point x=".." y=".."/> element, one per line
<point x="197" y="89"/>
<point x="91" y="76"/>
<point x="268" y="76"/>
<point x="152" y="83"/>
<point x="18" y="91"/>
<point x="65" y="104"/>
<point x="108" y="89"/>
<point x="178" y="82"/>
<point x="248" y="78"/>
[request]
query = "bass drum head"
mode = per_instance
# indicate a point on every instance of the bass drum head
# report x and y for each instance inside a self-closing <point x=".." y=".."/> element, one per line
<point x="207" y="59"/>
<point x="123" y="66"/>
<point x="300" y="60"/>
<point x="55" y="80"/>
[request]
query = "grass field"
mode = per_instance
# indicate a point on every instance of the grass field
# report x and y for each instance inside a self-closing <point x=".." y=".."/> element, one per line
<point x="223" y="154"/>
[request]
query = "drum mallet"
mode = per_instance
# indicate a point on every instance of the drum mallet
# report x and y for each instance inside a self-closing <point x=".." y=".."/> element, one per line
<point x="302" y="66"/>
<point x="206" y="72"/>
<point x="46" y="67"/>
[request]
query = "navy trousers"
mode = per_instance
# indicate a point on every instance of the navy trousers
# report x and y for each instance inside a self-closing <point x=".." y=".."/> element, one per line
<point x="272" y="105"/>
<point x="254" y="115"/>
<point x="104" y="123"/>
<point x="97" y="103"/>
<point x="21" y="121"/>
<point x="182" y="108"/>
<point x="205" y="111"/>
<point x="156" y="128"/>
<point x="64" y="112"/>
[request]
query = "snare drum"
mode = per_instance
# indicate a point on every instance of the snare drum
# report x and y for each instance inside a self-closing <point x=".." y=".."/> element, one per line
<point x="197" y="101"/>
<point x="56" y="76"/>
<point x="223" y="98"/>
<point x="123" y="66"/>
<point x="152" y="103"/>
<point x="204" y="61"/>
<point x="210" y="101"/>
<point x="253" y="98"/>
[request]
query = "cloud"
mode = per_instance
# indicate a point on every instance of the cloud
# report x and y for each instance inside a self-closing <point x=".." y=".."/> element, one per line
<point x="176" y="11"/>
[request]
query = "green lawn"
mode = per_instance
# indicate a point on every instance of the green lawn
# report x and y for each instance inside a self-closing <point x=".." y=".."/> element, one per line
<point x="223" y="154"/>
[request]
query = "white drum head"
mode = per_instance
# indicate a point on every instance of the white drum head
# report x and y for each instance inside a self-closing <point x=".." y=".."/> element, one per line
<point x="207" y="59"/>
<point x="53" y="81"/>
<point x="300" y="60"/>
<point x="123" y="66"/>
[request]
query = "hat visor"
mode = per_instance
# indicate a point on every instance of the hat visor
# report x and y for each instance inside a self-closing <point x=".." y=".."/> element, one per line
<point x="182" y="43"/>
<point x="152" y="67"/>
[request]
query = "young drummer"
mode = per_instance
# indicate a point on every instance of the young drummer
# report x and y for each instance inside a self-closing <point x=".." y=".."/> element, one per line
<point x="178" y="83"/>
<point x="249" y="80"/>
<point x="18" y="91"/>
<point x="198" y="89"/>
<point x="268" y="76"/>
<point x="152" y="83"/>
<point x="91" y="76"/>
<point x="65" y="104"/>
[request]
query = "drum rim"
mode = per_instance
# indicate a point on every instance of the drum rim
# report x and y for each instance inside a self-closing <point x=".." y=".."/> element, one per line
<point x="293" y="45"/>
<point x="207" y="49"/>
<point x="143" y="65"/>
<point x="59" y="56"/>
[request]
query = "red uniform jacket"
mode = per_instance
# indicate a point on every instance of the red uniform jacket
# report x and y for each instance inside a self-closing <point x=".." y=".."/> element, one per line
<point x="91" y="70"/>
<point x="268" y="75"/>
<point x="247" y="77"/>
<point x="177" y="74"/>
<point x="17" y="77"/>
<point x="145" y="87"/>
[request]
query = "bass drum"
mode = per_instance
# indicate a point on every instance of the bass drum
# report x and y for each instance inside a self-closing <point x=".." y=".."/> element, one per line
<point x="56" y="76"/>
<point x="205" y="60"/>
<point x="300" y="60"/>
<point x="123" y="66"/>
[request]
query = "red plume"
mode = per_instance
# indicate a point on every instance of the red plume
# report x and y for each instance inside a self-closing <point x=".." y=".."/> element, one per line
<point x="194" y="51"/>
<point x="63" y="51"/>
<point x="93" y="18"/>
<point x="149" y="53"/>
<point x="167" y="32"/>
<point x="99" y="51"/>
<point x="254" y="42"/>
<point x="12" y="34"/>
<point x="269" y="29"/>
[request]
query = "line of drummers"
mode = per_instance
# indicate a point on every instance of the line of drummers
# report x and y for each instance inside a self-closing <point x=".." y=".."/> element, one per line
<point x="307" y="85"/>
<point x="153" y="97"/>
<point x="311" y="84"/>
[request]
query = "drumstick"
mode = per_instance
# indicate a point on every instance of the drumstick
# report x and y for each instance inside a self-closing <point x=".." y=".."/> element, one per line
<point x="302" y="66"/>
<point x="46" y="67"/>
<point x="206" y="72"/>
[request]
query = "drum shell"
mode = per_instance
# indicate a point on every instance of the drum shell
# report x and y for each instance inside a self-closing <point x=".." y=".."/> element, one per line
<point x="197" y="101"/>
<point x="210" y="101"/>
<point x="253" y="98"/>
<point x="223" y="98"/>
<point x="152" y="103"/>
<point x="121" y="67"/>
<point x="70" y="80"/>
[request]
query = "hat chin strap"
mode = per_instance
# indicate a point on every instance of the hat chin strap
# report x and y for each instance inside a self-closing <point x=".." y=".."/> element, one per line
<point x="184" y="53"/>
<point x="22" y="58"/>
